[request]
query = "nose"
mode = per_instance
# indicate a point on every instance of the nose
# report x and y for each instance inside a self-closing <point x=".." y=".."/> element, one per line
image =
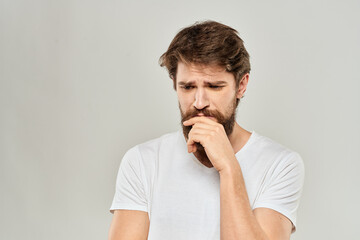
<point x="201" y="99"/>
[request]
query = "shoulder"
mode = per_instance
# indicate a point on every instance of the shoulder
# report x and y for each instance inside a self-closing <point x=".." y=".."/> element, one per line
<point x="146" y="153"/>
<point x="276" y="153"/>
<point x="157" y="143"/>
<point x="152" y="148"/>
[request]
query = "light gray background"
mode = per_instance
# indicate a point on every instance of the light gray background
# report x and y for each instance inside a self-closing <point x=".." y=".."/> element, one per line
<point x="80" y="84"/>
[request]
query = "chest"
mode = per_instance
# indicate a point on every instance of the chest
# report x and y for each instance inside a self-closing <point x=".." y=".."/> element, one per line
<point x="185" y="199"/>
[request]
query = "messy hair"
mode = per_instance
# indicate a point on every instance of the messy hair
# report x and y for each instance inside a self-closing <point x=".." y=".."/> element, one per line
<point x="207" y="43"/>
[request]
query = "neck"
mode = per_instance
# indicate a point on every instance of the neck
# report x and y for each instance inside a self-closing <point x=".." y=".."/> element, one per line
<point x="238" y="137"/>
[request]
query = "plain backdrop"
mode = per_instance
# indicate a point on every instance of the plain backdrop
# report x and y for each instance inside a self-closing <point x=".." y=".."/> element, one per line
<point x="80" y="84"/>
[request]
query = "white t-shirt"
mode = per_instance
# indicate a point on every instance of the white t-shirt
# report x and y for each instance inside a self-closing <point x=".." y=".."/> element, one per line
<point x="182" y="196"/>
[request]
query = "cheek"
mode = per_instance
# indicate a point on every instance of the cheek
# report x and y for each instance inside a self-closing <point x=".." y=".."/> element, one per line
<point x="225" y="102"/>
<point x="184" y="100"/>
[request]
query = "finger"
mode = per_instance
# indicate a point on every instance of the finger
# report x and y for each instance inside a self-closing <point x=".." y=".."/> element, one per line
<point x="195" y="138"/>
<point x="202" y="126"/>
<point x="191" y="148"/>
<point x="202" y="131"/>
<point x="202" y="119"/>
<point x="194" y="120"/>
<point x="213" y="129"/>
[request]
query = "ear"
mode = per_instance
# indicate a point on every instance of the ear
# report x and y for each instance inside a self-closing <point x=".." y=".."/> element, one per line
<point x="242" y="86"/>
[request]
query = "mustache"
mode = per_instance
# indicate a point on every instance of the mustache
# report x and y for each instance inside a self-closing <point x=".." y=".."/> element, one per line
<point x="193" y="113"/>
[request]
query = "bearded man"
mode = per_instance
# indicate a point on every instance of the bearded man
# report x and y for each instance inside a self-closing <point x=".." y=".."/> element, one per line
<point x="212" y="179"/>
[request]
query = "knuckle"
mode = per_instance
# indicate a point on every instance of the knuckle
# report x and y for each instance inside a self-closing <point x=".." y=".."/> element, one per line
<point x="218" y="128"/>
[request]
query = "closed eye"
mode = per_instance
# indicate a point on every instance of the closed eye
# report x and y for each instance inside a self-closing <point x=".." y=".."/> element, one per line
<point x="187" y="87"/>
<point x="215" y="86"/>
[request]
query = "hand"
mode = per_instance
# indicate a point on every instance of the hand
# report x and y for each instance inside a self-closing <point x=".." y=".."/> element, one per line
<point x="212" y="136"/>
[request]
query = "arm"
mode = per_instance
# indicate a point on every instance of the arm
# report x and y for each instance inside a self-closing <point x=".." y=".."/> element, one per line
<point x="238" y="221"/>
<point x="130" y="220"/>
<point x="129" y="225"/>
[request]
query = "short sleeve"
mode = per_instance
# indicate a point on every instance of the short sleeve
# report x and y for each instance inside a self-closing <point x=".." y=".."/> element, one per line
<point x="129" y="190"/>
<point x="284" y="189"/>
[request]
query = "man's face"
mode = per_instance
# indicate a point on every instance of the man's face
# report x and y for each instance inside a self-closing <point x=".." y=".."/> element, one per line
<point x="207" y="91"/>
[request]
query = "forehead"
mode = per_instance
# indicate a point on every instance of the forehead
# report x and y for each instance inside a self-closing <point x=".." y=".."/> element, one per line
<point x="196" y="72"/>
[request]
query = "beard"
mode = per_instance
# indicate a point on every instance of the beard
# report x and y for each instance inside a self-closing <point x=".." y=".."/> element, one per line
<point x="228" y="123"/>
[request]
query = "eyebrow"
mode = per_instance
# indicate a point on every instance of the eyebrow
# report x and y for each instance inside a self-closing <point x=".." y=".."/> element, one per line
<point x="182" y="83"/>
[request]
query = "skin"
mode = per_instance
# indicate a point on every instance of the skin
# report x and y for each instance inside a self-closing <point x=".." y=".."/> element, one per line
<point x="237" y="219"/>
<point x="129" y="224"/>
<point x="197" y="88"/>
<point x="216" y="97"/>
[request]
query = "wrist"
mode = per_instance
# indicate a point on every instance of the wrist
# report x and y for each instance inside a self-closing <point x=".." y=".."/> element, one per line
<point x="231" y="169"/>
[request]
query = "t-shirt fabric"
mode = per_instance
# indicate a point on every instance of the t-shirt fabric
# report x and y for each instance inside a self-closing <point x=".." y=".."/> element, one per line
<point x="182" y="196"/>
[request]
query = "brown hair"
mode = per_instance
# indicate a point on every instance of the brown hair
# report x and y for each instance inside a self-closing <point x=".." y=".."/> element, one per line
<point x="207" y="43"/>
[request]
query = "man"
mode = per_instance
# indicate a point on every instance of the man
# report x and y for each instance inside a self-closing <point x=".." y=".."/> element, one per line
<point x="213" y="179"/>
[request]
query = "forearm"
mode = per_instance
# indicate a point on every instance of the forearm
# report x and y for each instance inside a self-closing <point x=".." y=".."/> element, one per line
<point x="237" y="220"/>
